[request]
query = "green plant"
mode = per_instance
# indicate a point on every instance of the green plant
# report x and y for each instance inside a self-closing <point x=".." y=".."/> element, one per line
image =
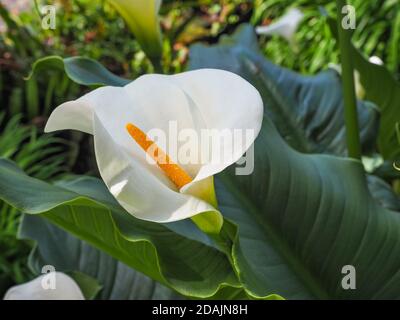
<point x="289" y="227"/>
<point x="376" y="33"/>
<point x="41" y="156"/>
<point x="349" y="93"/>
<point x="114" y="280"/>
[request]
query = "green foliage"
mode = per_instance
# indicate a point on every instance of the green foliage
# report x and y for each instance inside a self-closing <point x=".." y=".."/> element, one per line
<point x="295" y="198"/>
<point x="384" y="90"/>
<point x="142" y="18"/>
<point x="270" y="253"/>
<point x="19" y="46"/>
<point x="114" y="279"/>
<point x="89" y="286"/>
<point x="42" y="157"/>
<point x="80" y="70"/>
<point x="289" y="227"/>
<point x="177" y="255"/>
<point x="307" y="110"/>
<point x="39" y="156"/>
<point x="377" y="33"/>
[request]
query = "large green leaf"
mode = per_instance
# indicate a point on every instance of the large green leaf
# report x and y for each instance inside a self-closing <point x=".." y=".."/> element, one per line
<point x="301" y="217"/>
<point x="89" y="286"/>
<point x="81" y="70"/>
<point x="177" y="255"/>
<point x="307" y="110"/>
<point x="67" y="253"/>
<point x="383" y="193"/>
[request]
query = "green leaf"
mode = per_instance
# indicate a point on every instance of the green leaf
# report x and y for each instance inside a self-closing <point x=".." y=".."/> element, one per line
<point x="383" y="193"/>
<point x="177" y="255"/>
<point x="88" y="285"/>
<point x="307" y="110"/>
<point x="142" y="18"/>
<point x="41" y="156"/>
<point x="382" y="89"/>
<point x="93" y="269"/>
<point x="81" y="70"/>
<point x="300" y="218"/>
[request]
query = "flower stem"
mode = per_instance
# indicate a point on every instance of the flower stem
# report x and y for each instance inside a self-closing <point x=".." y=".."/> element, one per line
<point x="157" y="65"/>
<point x="350" y="102"/>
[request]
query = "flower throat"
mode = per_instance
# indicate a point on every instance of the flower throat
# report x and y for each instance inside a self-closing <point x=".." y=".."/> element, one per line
<point x="172" y="170"/>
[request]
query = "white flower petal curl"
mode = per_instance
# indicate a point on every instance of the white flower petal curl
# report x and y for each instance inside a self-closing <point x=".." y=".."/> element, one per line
<point x="223" y="111"/>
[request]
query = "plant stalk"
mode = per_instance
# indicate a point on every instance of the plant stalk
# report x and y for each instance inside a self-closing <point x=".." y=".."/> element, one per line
<point x="157" y="65"/>
<point x="350" y="101"/>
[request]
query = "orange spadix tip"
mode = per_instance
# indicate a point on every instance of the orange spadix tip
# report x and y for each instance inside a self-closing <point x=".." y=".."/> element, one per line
<point x="172" y="170"/>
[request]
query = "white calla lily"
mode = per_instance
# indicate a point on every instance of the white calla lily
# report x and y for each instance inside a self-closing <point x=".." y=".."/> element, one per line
<point x="286" y="26"/>
<point x="205" y="99"/>
<point x="65" y="288"/>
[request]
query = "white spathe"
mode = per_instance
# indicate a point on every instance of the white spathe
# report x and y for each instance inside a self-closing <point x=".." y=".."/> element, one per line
<point x="200" y="99"/>
<point x="376" y="60"/>
<point x="286" y="26"/>
<point x="37" y="289"/>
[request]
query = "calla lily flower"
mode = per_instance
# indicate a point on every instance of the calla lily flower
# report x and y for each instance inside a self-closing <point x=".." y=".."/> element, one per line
<point x="65" y="288"/>
<point x="142" y="18"/>
<point x="286" y="26"/>
<point x="120" y="119"/>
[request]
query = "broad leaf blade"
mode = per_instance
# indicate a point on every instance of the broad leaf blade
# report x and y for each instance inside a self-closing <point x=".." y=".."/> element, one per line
<point x="67" y="253"/>
<point x="89" y="286"/>
<point x="301" y="218"/>
<point x="187" y="264"/>
<point x="81" y="70"/>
